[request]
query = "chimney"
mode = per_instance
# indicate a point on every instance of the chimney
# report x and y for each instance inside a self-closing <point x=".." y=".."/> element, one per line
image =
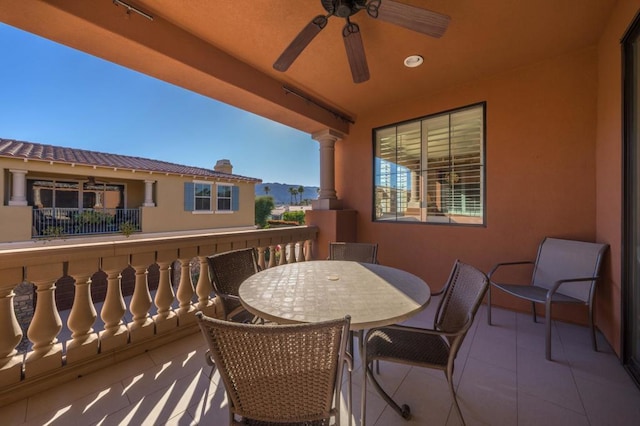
<point x="223" y="166"/>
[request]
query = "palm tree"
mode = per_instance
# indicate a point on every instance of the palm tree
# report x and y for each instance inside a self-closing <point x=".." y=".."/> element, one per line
<point x="300" y="191"/>
<point x="266" y="189"/>
<point x="293" y="193"/>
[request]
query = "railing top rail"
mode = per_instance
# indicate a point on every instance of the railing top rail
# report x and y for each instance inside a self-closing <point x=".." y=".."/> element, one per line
<point x="53" y="251"/>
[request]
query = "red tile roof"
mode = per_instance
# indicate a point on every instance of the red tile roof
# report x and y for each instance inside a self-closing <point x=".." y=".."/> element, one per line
<point x="38" y="152"/>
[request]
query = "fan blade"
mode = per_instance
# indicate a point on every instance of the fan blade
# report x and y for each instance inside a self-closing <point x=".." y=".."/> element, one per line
<point x="355" y="52"/>
<point x="413" y="18"/>
<point x="300" y="42"/>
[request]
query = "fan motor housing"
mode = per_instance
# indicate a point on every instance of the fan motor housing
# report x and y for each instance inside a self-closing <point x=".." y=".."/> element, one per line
<point x="343" y="8"/>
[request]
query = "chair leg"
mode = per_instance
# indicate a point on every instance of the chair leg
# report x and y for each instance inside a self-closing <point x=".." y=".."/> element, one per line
<point x="547" y="338"/>
<point x="449" y="374"/>
<point x="533" y="309"/>
<point x="489" y="305"/>
<point x="404" y="411"/>
<point x="593" y="328"/>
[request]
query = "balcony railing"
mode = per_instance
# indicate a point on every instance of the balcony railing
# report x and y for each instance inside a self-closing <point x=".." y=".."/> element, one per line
<point x="95" y="335"/>
<point x="59" y="222"/>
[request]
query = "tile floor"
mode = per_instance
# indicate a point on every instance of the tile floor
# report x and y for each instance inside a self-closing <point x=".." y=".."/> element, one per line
<point x="502" y="378"/>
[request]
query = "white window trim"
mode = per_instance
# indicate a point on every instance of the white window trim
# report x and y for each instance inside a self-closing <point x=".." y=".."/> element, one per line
<point x="211" y="198"/>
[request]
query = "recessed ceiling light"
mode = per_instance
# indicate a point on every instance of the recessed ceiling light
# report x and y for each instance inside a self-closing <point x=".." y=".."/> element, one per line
<point x="413" y="61"/>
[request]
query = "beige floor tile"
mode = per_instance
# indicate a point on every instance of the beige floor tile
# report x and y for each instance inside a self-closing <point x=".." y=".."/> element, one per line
<point x="501" y="375"/>
<point x="612" y="404"/>
<point x="548" y="380"/>
<point x="16" y="413"/>
<point x="87" y="410"/>
<point x="170" y="402"/>
<point x="427" y="396"/>
<point x="533" y="411"/>
<point x="487" y="394"/>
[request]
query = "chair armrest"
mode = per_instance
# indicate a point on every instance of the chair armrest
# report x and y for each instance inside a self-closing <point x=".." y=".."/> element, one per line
<point x="229" y="296"/>
<point x="348" y="359"/>
<point x="441" y="333"/>
<point x="558" y="283"/>
<point x="501" y="264"/>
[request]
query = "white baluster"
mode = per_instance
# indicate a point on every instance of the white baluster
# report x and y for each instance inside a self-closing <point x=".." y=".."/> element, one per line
<point x="261" y="262"/>
<point x="10" y="332"/>
<point x="308" y="250"/>
<point x="186" y="311"/>
<point x="165" y="319"/>
<point x="283" y="254"/>
<point x="300" y="255"/>
<point x="292" y="253"/>
<point x="142" y="326"/>
<point x="115" y="333"/>
<point x="204" y="288"/>
<point x="272" y="256"/>
<point x="84" y="342"/>
<point x="46" y="323"/>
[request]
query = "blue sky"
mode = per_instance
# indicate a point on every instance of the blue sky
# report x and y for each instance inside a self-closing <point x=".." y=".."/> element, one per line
<point x="56" y="95"/>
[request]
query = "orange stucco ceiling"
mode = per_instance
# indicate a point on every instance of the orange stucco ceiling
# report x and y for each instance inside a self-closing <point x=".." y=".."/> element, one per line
<point x="225" y="48"/>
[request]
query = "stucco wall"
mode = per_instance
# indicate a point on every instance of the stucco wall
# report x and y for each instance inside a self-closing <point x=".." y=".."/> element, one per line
<point x="169" y="210"/>
<point x="167" y="215"/>
<point x="540" y="179"/>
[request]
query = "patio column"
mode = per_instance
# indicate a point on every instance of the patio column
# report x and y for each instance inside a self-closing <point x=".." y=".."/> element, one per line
<point x="19" y="189"/>
<point x="327" y="199"/>
<point x="148" y="193"/>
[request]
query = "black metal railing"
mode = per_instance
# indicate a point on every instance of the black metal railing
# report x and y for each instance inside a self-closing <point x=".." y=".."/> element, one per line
<point x="60" y="222"/>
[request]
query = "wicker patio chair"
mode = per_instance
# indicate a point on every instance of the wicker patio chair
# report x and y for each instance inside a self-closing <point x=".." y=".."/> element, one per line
<point x="228" y="270"/>
<point x="565" y="271"/>
<point x="280" y="374"/>
<point x="431" y="348"/>
<point x="358" y="252"/>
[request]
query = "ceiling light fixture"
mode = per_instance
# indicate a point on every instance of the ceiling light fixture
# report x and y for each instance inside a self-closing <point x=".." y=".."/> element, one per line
<point x="413" y="61"/>
<point x="132" y="9"/>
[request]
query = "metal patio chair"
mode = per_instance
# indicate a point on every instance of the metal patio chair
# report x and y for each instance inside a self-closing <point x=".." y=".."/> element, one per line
<point x="228" y="270"/>
<point x="431" y="348"/>
<point x="280" y="374"/>
<point x="565" y="271"/>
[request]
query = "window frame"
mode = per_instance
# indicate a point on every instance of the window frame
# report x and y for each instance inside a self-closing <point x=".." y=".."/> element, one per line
<point x="230" y="187"/>
<point x="420" y="123"/>
<point x="197" y="197"/>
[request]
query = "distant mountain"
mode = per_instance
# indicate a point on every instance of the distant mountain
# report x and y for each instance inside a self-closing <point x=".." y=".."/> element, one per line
<point x="281" y="195"/>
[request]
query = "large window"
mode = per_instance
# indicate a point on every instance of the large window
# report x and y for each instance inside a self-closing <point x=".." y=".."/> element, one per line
<point x="431" y="169"/>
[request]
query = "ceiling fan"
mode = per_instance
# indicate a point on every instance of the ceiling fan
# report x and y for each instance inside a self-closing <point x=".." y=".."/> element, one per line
<point x="411" y="17"/>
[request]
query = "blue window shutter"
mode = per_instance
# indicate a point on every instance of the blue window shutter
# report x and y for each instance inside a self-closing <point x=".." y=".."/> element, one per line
<point x="189" y="196"/>
<point x="235" y="198"/>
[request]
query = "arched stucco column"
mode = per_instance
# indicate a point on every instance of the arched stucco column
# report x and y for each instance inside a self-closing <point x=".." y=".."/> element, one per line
<point x="148" y="193"/>
<point x="327" y="198"/>
<point x="19" y="188"/>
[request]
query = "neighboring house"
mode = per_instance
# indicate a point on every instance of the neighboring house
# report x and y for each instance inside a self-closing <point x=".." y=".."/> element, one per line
<point x="51" y="191"/>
